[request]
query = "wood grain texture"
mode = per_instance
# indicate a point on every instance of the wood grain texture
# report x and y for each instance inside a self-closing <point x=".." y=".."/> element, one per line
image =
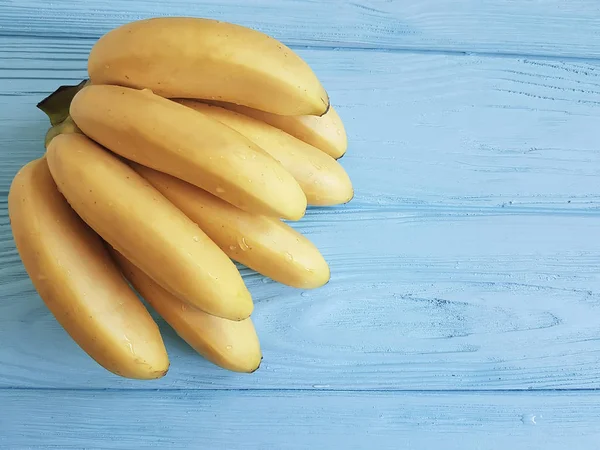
<point x="297" y="420"/>
<point x="439" y="303"/>
<point x="467" y="260"/>
<point x="465" y="290"/>
<point x="524" y="27"/>
<point x="437" y="130"/>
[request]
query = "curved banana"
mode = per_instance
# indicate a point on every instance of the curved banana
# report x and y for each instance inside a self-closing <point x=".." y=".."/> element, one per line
<point x="327" y="132"/>
<point x="323" y="180"/>
<point x="139" y="222"/>
<point x="232" y="345"/>
<point x="166" y="136"/>
<point x="203" y="58"/>
<point x="264" y="244"/>
<point x="77" y="280"/>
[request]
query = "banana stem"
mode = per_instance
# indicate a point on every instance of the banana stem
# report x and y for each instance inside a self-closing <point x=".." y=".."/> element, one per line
<point x="56" y="107"/>
<point x="65" y="127"/>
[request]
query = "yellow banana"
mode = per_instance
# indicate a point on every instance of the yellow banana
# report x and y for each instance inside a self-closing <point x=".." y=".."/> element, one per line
<point x="232" y="345"/>
<point x="77" y="280"/>
<point x="327" y="132"/>
<point x="203" y="58"/>
<point x="262" y="243"/>
<point x="323" y="180"/>
<point x="139" y="222"/>
<point x="166" y="136"/>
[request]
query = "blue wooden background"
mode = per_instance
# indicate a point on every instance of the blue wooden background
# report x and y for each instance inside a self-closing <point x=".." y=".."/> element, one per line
<point x="464" y="306"/>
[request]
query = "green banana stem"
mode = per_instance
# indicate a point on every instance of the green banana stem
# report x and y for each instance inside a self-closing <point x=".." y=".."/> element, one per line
<point x="56" y="107"/>
<point x="65" y="127"/>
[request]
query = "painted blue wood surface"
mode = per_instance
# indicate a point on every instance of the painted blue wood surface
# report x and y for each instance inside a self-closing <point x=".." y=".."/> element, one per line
<point x="465" y="274"/>
<point x="302" y="420"/>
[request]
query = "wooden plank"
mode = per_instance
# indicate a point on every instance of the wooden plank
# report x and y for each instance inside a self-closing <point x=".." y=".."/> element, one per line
<point x="468" y="259"/>
<point x="550" y="27"/>
<point x="415" y="302"/>
<point x="424" y="130"/>
<point x="297" y="420"/>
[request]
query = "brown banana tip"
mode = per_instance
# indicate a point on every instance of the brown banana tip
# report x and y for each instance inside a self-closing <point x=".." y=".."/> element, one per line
<point x="328" y="105"/>
<point x="351" y="198"/>
<point x="163" y="373"/>
<point x="257" y="367"/>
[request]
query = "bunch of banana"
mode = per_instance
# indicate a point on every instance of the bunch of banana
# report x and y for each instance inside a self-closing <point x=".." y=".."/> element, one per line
<point x="187" y="150"/>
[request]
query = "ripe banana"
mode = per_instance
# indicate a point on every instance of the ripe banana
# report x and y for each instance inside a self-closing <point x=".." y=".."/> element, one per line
<point x="203" y="58"/>
<point x="323" y="180"/>
<point x="264" y="244"/>
<point x="327" y="132"/>
<point x="166" y="136"/>
<point x="232" y="345"/>
<point x="139" y="222"/>
<point x="77" y="280"/>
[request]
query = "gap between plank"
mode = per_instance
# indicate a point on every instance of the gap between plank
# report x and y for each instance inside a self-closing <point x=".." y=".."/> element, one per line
<point x="314" y="390"/>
